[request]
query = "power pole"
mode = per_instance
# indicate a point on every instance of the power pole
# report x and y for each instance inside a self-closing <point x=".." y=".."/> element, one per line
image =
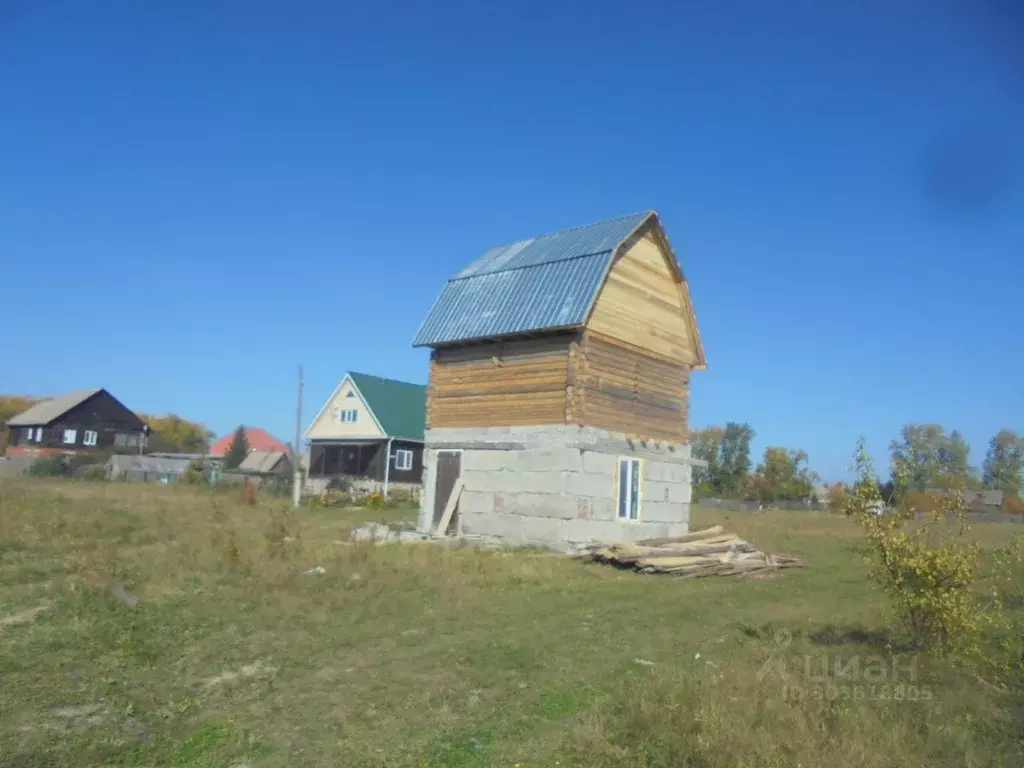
<point x="296" y="452"/>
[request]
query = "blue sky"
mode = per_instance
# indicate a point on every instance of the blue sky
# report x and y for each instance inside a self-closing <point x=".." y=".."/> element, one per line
<point x="195" y="197"/>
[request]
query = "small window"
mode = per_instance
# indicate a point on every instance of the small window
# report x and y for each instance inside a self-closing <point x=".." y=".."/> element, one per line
<point x="629" y="489"/>
<point x="349" y="415"/>
<point x="89" y="438"/>
<point x="120" y="440"/>
<point x="70" y="435"/>
<point x="39" y="434"/>
<point x="29" y="434"/>
<point x="403" y="459"/>
<point x="350" y="394"/>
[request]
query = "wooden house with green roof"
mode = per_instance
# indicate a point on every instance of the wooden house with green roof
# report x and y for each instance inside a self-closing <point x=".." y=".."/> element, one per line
<point x="369" y="428"/>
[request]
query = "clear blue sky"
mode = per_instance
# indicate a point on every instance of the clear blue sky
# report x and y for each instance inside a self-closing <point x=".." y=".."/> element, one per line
<point x="196" y="196"/>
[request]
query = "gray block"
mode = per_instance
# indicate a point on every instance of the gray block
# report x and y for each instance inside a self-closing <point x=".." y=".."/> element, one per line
<point x="599" y="463"/>
<point x="541" y="505"/>
<point x="542" y="529"/>
<point x="508" y="527"/>
<point x="664" y="512"/>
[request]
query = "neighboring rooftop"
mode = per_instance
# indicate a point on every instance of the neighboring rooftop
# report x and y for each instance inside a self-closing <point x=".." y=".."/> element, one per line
<point x="399" y="407"/>
<point x="540" y="283"/>
<point x="41" y="414"/>
<point x="262" y="462"/>
<point x="259" y="440"/>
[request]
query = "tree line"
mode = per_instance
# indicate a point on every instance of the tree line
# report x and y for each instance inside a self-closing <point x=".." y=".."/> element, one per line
<point x="926" y="455"/>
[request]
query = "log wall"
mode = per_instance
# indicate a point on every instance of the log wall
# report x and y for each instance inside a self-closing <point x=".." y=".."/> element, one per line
<point x="616" y="387"/>
<point x="499" y="384"/>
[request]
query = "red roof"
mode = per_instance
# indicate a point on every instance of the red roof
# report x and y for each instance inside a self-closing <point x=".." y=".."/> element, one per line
<point x="259" y="440"/>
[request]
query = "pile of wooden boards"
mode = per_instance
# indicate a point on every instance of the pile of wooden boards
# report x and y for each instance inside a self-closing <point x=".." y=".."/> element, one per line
<point x="711" y="552"/>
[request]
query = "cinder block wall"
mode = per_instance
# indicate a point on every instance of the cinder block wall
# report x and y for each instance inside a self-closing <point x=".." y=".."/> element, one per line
<point x="556" y="485"/>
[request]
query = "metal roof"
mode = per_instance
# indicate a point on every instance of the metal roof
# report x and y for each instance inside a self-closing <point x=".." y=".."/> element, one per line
<point x="48" y="410"/>
<point x="399" y="407"/>
<point x="261" y="461"/>
<point x="536" y="284"/>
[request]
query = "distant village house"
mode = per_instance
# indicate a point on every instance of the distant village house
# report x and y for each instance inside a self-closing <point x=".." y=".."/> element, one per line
<point x="84" y="421"/>
<point x="370" y="429"/>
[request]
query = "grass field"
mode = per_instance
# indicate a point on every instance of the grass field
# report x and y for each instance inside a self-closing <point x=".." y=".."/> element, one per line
<point x="413" y="655"/>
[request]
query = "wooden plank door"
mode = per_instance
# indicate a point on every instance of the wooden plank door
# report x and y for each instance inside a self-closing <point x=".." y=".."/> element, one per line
<point x="448" y="470"/>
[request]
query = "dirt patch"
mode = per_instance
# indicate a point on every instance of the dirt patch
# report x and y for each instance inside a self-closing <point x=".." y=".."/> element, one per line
<point x="23" y="617"/>
<point x="256" y="669"/>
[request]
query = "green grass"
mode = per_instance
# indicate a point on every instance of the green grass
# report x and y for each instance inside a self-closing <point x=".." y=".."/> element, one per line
<point x="422" y="655"/>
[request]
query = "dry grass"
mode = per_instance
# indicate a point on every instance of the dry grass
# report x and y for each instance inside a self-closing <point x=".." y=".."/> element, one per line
<point x="421" y="655"/>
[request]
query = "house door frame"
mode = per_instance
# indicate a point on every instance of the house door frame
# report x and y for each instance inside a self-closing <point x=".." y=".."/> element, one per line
<point x="443" y="485"/>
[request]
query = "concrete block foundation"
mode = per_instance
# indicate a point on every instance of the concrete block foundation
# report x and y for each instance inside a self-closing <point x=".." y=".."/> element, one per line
<point x="557" y="485"/>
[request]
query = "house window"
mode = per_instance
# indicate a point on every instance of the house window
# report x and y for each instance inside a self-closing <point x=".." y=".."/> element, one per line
<point x="350" y="394"/>
<point x="89" y="438"/>
<point x="403" y="459"/>
<point x="348" y="415"/>
<point x="70" y="435"/>
<point x="126" y="440"/>
<point x="629" y="489"/>
<point x="39" y="434"/>
<point x="29" y="434"/>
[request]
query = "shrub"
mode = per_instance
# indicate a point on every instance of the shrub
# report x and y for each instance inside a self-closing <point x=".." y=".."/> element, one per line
<point x="195" y="473"/>
<point x="49" y="466"/>
<point x="928" y="570"/>
<point x="339" y="483"/>
<point x="1013" y="505"/>
<point x="94" y="472"/>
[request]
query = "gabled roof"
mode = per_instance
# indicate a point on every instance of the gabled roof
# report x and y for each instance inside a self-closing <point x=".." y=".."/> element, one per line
<point x="541" y="283"/>
<point x="261" y="461"/>
<point x="398" y="406"/>
<point x="43" y="413"/>
<point x="258" y="439"/>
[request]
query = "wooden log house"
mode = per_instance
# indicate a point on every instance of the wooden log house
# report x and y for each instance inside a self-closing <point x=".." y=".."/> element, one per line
<point x="558" y="394"/>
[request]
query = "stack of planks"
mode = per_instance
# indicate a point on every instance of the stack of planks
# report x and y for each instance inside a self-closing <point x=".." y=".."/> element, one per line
<point x="711" y="552"/>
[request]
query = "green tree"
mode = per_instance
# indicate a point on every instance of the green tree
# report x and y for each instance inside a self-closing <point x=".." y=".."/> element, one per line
<point x="189" y="436"/>
<point x="734" y="459"/>
<point x="929" y="458"/>
<point x="238" y="449"/>
<point x="706" y="445"/>
<point x="1004" y="463"/>
<point x="783" y="475"/>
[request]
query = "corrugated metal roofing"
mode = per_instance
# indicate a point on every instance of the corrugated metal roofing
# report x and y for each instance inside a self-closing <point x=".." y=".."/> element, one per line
<point x="531" y="285"/>
<point x="399" y="407"/>
<point x="48" y="410"/>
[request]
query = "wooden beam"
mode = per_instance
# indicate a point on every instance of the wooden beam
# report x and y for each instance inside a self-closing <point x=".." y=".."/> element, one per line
<point x="449" y="508"/>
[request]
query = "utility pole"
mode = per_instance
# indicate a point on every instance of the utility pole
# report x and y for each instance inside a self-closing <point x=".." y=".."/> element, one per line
<point x="296" y="452"/>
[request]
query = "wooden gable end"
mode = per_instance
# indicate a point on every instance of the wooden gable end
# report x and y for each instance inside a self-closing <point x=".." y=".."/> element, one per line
<point x="102" y="410"/>
<point x="328" y="423"/>
<point x="645" y="302"/>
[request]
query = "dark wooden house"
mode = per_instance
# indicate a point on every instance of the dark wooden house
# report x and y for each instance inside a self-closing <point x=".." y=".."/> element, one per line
<point x="88" y="420"/>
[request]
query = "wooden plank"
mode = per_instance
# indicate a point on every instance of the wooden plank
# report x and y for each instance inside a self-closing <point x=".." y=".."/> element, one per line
<point x="707" y="533"/>
<point x="449" y="508"/>
<point x="640" y="303"/>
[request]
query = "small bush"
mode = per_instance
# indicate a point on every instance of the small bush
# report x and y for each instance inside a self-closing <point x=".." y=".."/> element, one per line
<point x="94" y="472"/>
<point x="928" y="570"/>
<point x="49" y="466"/>
<point x="1013" y="505"/>
<point x="195" y="473"/>
<point x="340" y="484"/>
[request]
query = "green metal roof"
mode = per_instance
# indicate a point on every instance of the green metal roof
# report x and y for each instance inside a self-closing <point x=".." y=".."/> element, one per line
<point x="400" y="407"/>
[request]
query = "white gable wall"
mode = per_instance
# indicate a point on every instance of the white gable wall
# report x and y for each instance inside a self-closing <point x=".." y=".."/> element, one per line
<point x="328" y="423"/>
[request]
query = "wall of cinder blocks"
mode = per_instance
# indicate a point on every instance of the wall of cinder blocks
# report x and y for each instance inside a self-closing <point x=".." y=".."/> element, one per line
<point x="556" y="485"/>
